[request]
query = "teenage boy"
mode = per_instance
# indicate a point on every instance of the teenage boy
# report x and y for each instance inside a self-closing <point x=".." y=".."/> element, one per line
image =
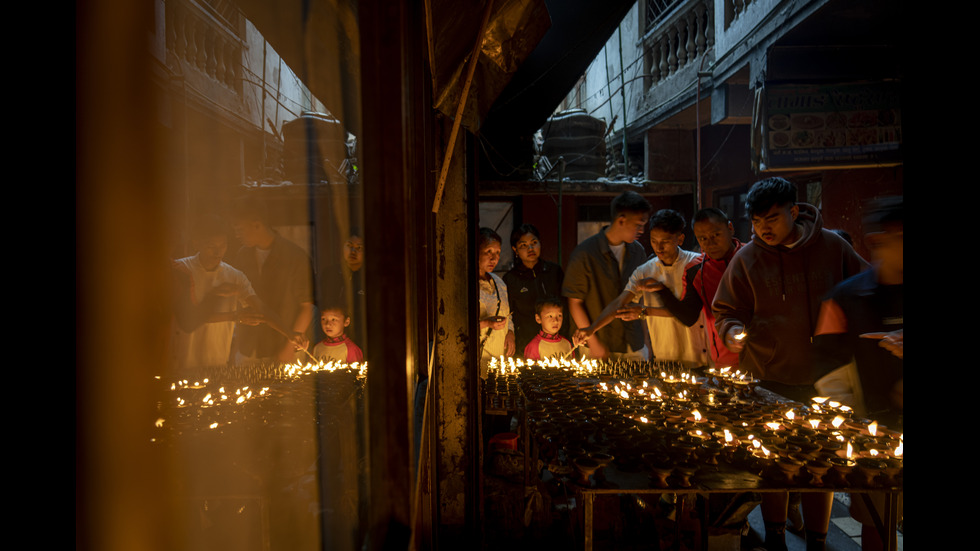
<point x="336" y="346"/>
<point x="548" y="343"/>
<point x="716" y="236"/>
<point x="863" y="320"/>
<point x="661" y="275"/>
<point x="281" y="273"/>
<point x="766" y="310"/>
<point x="599" y="270"/>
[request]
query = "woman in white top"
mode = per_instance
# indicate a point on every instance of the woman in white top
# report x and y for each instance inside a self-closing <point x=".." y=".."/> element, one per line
<point x="496" y="327"/>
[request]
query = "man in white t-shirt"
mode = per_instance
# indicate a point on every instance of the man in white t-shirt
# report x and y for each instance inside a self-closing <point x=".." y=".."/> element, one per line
<point x="669" y="338"/>
<point x="208" y="298"/>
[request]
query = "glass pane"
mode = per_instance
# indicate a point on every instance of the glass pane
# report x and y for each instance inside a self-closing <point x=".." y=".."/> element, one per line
<point x="258" y="397"/>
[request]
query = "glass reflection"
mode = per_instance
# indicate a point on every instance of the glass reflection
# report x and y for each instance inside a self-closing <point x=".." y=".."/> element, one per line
<point x="262" y="410"/>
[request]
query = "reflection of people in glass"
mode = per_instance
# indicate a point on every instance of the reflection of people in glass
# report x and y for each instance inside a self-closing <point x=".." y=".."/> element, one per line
<point x="530" y="280"/>
<point x="280" y="272"/>
<point x="496" y="327"/>
<point x="208" y="294"/>
<point x="354" y="253"/>
<point x="336" y="346"/>
<point x="350" y="283"/>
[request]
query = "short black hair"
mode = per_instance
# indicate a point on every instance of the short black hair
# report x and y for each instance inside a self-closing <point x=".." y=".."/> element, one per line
<point x="546" y="301"/>
<point x="668" y="220"/>
<point x="768" y="193"/>
<point x="884" y="213"/>
<point x="335" y="305"/>
<point x="521" y="231"/>
<point x="485" y="236"/>
<point x="628" y="202"/>
<point x="710" y="214"/>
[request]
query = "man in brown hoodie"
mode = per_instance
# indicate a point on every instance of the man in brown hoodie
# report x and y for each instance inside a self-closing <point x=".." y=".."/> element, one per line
<point x="766" y="310"/>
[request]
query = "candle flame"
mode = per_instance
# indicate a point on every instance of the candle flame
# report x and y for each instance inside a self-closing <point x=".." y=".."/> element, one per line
<point x="697" y="415"/>
<point x="814" y="423"/>
<point x="819" y="399"/>
<point x="873" y="428"/>
<point x="837" y="422"/>
<point x="741" y="335"/>
<point x="874" y="452"/>
<point x="644" y="419"/>
<point x="773" y="425"/>
<point x="790" y="414"/>
<point x="850" y="450"/>
<point x="159" y="422"/>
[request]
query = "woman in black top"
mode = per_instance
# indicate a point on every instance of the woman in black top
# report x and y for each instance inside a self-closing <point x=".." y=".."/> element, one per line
<point x="530" y="279"/>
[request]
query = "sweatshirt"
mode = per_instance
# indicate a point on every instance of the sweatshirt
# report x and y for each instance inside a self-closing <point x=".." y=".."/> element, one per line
<point x="775" y="293"/>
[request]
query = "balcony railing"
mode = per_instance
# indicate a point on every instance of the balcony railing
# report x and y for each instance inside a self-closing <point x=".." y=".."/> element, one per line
<point x="735" y="8"/>
<point x="204" y="39"/>
<point x="678" y="39"/>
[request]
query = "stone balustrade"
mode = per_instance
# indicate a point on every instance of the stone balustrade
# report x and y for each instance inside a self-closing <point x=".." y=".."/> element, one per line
<point x="201" y="38"/>
<point x="733" y="9"/>
<point x="678" y="40"/>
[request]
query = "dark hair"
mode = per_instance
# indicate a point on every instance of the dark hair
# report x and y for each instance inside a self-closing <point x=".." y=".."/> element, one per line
<point x="882" y="213"/>
<point x="768" y="193"/>
<point x="521" y="231"/>
<point x="710" y="214"/>
<point x="668" y="220"/>
<point x="250" y="208"/>
<point x="628" y="202"/>
<point x="335" y="305"/>
<point x="486" y="235"/>
<point x="844" y="235"/>
<point x="546" y="301"/>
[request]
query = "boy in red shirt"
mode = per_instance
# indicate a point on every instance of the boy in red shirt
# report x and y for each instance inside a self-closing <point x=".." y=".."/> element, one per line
<point x="337" y="346"/>
<point x="547" y="343"/>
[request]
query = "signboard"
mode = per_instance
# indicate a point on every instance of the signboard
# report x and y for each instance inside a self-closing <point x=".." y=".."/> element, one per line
<point x="830" y="126"/>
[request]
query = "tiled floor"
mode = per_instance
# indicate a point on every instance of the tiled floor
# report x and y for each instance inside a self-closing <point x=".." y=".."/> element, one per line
<point x="844" y="533"/>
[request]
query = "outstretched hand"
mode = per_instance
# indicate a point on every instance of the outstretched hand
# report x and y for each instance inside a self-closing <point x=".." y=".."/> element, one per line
<point x="650" y="285"/>
<point x="735" y="338"/>
<point x="893" y="341"/>
<point x="581" y="336"/>
<point x="629" y="313"/>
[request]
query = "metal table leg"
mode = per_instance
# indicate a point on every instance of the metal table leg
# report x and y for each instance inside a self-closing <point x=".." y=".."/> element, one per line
<point x="588" y="498"/>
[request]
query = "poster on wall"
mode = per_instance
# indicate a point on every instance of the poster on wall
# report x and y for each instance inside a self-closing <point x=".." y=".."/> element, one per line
<point x="830" y="125"/>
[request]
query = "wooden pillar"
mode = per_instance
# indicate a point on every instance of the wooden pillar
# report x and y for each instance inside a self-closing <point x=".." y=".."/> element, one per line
<point x="388" y="42"/>
<point x="455" y="377"/>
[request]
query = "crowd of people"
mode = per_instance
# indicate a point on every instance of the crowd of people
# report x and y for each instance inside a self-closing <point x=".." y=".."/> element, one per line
<point x="795" y="306"/>
<point x="260" y="306"/>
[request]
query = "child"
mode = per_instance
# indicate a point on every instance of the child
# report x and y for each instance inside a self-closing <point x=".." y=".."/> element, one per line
<point x="337" y="346"/>
<point x="547" y="343"/>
